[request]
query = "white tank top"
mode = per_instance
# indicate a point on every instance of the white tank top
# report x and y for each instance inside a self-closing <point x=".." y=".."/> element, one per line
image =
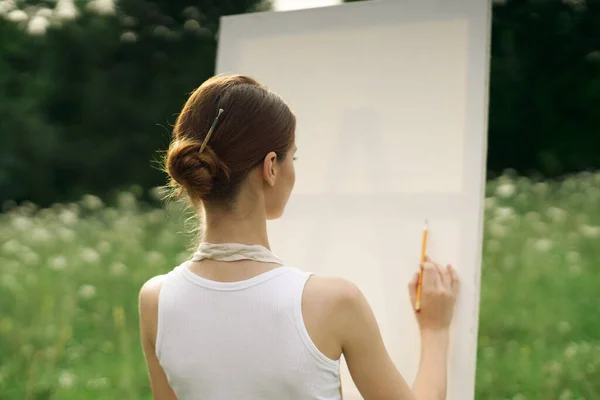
<point x="240" y="340"/>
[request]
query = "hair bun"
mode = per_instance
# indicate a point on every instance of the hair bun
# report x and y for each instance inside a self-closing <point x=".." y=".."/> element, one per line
<point x="194" y="171"/>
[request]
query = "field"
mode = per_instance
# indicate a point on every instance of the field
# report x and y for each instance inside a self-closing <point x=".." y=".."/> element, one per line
<point x="70" y="275"/>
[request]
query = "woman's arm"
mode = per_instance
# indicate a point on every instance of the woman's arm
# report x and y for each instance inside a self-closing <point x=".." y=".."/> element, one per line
<point x="430" y="382"/>
<point x="148" y="306"/>
<point x="371" y="367"/>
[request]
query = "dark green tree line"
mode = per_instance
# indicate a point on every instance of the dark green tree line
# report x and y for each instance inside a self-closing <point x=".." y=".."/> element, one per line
<point x="84" y="107"/>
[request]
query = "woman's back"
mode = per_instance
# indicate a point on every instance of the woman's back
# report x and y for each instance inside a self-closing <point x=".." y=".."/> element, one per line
<point x="238" y="325"/>
<point x="244" y="339"/>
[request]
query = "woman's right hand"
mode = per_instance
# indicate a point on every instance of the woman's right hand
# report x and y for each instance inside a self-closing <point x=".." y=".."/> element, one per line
<point x="438" y="295"/>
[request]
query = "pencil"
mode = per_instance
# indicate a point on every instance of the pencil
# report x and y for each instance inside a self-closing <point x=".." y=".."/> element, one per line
<point x="420" y="283"/>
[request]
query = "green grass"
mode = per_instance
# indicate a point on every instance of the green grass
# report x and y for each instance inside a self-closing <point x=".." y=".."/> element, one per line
<point x="70" y="275"/>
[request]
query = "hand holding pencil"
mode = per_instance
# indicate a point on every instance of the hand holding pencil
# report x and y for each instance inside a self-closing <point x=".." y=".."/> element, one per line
<point x="433" y="291"/>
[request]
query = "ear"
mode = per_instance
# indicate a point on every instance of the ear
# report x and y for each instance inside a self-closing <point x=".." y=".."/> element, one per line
<point x="270" y="169"/>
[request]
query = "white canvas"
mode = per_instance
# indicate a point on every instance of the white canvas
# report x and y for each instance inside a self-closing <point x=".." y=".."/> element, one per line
<point x="391" y="101"/>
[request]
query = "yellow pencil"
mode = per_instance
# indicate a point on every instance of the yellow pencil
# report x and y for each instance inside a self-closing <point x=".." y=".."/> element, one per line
<point x="420" y="283"/>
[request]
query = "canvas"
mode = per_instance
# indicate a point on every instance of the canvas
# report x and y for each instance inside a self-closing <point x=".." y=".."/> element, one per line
<point x="391" y="102"/>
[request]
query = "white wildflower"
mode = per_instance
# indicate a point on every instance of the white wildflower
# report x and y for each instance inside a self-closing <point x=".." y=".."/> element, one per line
<point x="191" y="25"/>
<point x="66" y="379"/>
<point x="21" y="223"/>
<point x="554" y="367"/>
<point x="162" y="31"/>
<point x="128" y="37"/>
<point x="30" y="257"/>
<point x="566" y="395"/>
<point x="17" y="16"/>
<point x="570" y="184"/>
<point x="44" y="12"/>
<point x="58" y="263"/>
<point x="543" y="245"/>
<point x="90" y="255"/>
<point x="6" y="6"/>
<point x="65" y="10"/>
<point x="505" y="190"/>
<point x="191" y="12"/>
<point x="127" y="200"/>
<point x="102" y="7"/>
<point x="571" y="350"/>
<point x="590" y="231"/>
<point x="37" y="25"/>
<point x="104" y="247"/>
<point x="118" y="269"/>
<point x="10" y="282"/>
<point x="87" y="291"/>
<point x="40" y="234"/>
<point x="496" y="230"/>
<point x="11" y="247"/>
<point x="573" y="257"/>
<point x="503" y="213"/>
<point x="66" y="234"/>
<point x="92" y="202"/>
<point x="541" y="188"/>
<point x="489" y="203"/>
<point x="97" y="383"/>
<point x="556" y="214"/>
<point x="67" y="217"/>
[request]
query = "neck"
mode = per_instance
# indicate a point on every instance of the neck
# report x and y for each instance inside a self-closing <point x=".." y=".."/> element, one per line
<point x="230" y="227"/>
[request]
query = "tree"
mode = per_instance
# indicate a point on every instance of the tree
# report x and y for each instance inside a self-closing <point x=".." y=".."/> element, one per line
<point x="86" y="102"/>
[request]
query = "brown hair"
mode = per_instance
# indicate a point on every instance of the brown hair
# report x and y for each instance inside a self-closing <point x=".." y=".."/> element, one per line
<point x="254" y="122"/>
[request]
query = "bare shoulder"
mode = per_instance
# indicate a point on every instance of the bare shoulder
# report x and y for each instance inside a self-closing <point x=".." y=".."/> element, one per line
<point x="335" y="298"/>
<point x="148" y="299"/>
<point x="328" y="307"/>
<point x="151" y="290"/>
<point x="333" y="291"/>
<point x="148" y="308"/>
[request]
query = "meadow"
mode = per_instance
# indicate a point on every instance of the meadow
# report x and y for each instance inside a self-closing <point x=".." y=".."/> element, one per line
<point x="70" y="275"/>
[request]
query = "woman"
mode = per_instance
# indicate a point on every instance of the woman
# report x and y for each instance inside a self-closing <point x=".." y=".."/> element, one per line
<point x="234" y="322"/>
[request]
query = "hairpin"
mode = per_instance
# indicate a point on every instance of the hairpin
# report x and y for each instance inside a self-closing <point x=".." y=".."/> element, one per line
<point x="210" y="131"/>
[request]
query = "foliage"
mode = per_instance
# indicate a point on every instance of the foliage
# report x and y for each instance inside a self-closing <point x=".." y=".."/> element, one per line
<point x="71" y="274"/>
<point x="85" y="106"/>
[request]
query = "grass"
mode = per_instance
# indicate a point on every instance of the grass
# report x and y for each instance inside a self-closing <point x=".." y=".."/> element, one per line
<point x="70" y="274"/>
